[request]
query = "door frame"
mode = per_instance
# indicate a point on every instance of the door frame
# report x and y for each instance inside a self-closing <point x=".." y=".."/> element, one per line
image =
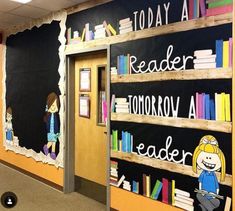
<point x="69" y="136"/>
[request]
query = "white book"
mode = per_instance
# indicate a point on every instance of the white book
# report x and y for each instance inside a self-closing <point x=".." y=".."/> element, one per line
<point x="100" y="26"/>
<point x="101" y="31"/>
<point x="205" y="65"/>
<point x="120" y="100"/>
<point x="182" y="192"/>
<point x="205" y="52"/>
<point x="206" y="56"/>
<point x="184" y="206"/>
<point x="126" y="25"/>
<point x="184" y="197"/>
<point x="121" y="180"/>
<point x="126" y="30"/>
<point x="202" y="60"/>
<point x="122" y="111"/>
<point x="113" y="68"/>
<point x="122" y="106"/>
<point x="180" y="199"/>
<point x="125" y="182"/>
<point x="113" y="169"/>
<point x="122" y="103"/>
<point x="227" y="204"/>
<point x="123" y="21"/>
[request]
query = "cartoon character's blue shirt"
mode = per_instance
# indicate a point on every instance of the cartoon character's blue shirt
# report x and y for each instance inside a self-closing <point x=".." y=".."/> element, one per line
<point x="209" y="182"/>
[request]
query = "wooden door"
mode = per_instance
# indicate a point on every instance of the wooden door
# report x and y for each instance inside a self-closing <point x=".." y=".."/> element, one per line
<point x="90" y="138"/>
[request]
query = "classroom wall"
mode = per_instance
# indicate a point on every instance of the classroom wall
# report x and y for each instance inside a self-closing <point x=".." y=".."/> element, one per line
<point x="45" y="171"/>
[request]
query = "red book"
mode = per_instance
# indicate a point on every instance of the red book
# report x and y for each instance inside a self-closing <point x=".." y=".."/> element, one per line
<point x="202" y="4"/>
<point x="165" y="190"/>
<point x="191" y="5"/>
<point x="219" y="10"/>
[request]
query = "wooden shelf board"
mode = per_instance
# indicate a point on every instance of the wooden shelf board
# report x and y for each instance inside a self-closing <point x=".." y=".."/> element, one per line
<point x="201" y="124"/>
<point x="165" y="165"/>
<point x="151" y="32"/>
<point x="218" y="73"/>
<point x="124" y="200"/>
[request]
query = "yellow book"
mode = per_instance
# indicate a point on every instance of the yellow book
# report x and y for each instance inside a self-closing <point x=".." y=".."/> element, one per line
<point x="173" y="192"/>
<point x="227" y="108"/>
<point x="83" y="34"/>
<point x="113" y="31"/>
<point x="228" y="204"/>
<point x="120" y="145"/>
<point x="225" y="54"/>
<point x="222" y="98"/>
<point x="148" y="185"/>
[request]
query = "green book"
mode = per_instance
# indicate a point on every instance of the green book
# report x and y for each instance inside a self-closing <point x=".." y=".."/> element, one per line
<point x="156" y="186"/>
<point x="219" y="3"/>
<point x="115" y="140"/>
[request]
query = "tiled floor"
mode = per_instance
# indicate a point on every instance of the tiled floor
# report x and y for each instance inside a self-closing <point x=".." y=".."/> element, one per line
<point x="35" y="196"/>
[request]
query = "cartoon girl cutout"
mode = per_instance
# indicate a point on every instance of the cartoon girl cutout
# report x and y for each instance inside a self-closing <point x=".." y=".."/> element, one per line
<point x="209" y="158"/>
<point x="9" y="127"/>
<point x="52" y="124"/>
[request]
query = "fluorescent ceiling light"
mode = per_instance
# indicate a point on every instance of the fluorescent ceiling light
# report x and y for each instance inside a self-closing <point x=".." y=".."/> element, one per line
<point x="22" y="1"/>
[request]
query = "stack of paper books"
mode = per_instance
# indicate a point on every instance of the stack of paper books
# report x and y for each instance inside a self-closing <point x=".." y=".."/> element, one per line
<point x="183" y="200"/>
<point x="121" y="105"/>
<point x="113" y="70"/>
<point x="204" y="59"/>
<point x="114" y="172"/>
<point x="99" y="32"/>
<point x="216" y="7"/>
<point x="125" y="26"/>
<point x="126" y="185"/>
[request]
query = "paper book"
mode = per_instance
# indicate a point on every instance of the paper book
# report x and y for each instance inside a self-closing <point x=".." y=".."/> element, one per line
<point x="219" y="107"/>
<point x="207" y="106"/>
<point x="228" y="204"/>
<point x="169" y="192"/>
<point x="173" y="192"/>
<point x="203" y="115"/>
<point x="216" y="107"/>
<point x="197" y="105"/>
<point x="100" y="31"/>
<point x="230" y="52"/>
<point x="113" y="178"/>
<point x="131" y="144"/>
<point x="158" y="191"/>
<point x="155" y="188"/>
<point x="219" y="53"/>
<point x="112" y="104"/>
<point x="107" y="29"/>
<point x="219" y="3"/>
<point x="225" y="54"/>
<point x="69" y="35"/>
<point x="191" y="7"/>
<point x="196" y="9"/>
<point x="148" y="185"/>
<point x="182" y="192"/>
<point x="120" y="145"/>
<point x="206" y="56"/>
<point x="205" y="52"/>
<point x="202" y="60"/>
<point x="120" y="100"/>
<point x="212" y="109"/>
<point x="123" y="31"/>
<point x="121" y="180"/>
<point x="200" y="106"/>
<point x="184" y="206"/>
<point x="222" y="96"/>
<point x="119" y="103"/>
<point x="83" y="35"/>
<point x="219" y="10"/>
<point x="165" y="190"/>
<point x="122" y="106"/>
<point x="183" y="200"/>
<point x="202" y="4"/>
<point x="123" y="21"/>
<point x="227" y="108"/>
<point x="144" y="184"/>
<point x="205" y="65"/>
<point x="112" y="30"/>
<point x="126" y="25"/>
<point x="113" y="169"/>
<point x="121" y="110"/>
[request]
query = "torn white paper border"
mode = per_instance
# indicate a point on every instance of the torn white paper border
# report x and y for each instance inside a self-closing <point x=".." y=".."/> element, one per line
<point x="61" y="17"/>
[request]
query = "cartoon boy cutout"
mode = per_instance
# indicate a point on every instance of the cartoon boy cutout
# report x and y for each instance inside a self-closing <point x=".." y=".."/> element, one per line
<point x="209" y="158"/>
<point x="52" y="124"/>
<point x="9" y="127"/>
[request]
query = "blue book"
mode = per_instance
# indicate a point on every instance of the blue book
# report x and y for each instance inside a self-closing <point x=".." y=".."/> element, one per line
<point x="195" y="9"/>
<point x="127" y="141"/>
<point x="158" y="191"/>
<point x="123" y="141"/>
<point x="219" y="53"/>
<point x="134" y="186"/>
<point x="122" y="64"/>
<point x="203" y="106"/>
<point x="207" y="106"/>
<point x="212" y="109"/>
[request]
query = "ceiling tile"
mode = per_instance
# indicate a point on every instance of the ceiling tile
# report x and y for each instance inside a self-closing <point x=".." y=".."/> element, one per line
<point x="29" y="11"/>
<point x="13" y="19"/>
<point x="6" y="5"/>
<point x="52" y="5"/>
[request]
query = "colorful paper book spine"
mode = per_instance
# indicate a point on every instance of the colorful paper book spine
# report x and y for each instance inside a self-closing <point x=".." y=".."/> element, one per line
<point x="230" y="52"/>
<point x="219" y="3"/>
<point x="83" y="35"/>
<point x="169" y="192"/>
<point x="216" y="107"/>
<point x="115" y="140"/>
<point x="112" y="30"/>
<point x="222" y="96"/>
<point x="225" y="54"/>
<point x="155" y="188"/>
<point x="144" y="184"/>
<point x="212" y="109"/>
<point x="207" y="106"/>
<point x="148" y="185"/>
<point x="173" y="192"/>
<point x="219" y="10"/>
<point x="191" y="8"/>
<point x="196" y="9"/>
<point x="197" y="105"/>
<point x="203" y="106"/>
<point x="123" y="142"/>
<point x="219" y="53"/>
<point x="165" y="190"/>
<point x="158" y="191"/>
<point x="202" y="7"/>
<point x="227" y="108"/>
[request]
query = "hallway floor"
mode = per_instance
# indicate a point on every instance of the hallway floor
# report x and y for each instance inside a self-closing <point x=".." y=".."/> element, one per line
<point x="35" y="196"/>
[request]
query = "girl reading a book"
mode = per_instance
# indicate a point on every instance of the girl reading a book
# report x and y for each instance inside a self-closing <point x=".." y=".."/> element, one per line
<point x="209" y="158"/>
<point x="52" y="124"/>
<point x="9" y="127"/>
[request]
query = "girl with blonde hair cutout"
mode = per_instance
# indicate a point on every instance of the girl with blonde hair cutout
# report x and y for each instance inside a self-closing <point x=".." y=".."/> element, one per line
<point x="209" y="158"/>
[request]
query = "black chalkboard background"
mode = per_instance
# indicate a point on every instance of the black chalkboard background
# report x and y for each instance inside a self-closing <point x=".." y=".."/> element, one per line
<point x="32" y="63"/>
